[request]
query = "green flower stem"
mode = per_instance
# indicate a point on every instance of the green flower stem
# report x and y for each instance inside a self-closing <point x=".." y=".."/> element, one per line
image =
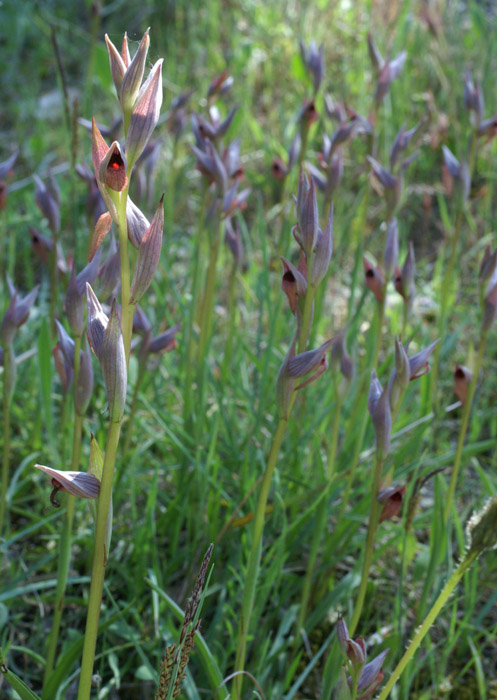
<point x="422" y="631"/>
<point x="321" y="513"/>
<point x="8" y="356"/>
<point x="256" y="547"/>
<point x="99" y="561"/>
<point x="190" y="344"/>
<point x="370" y="540"/>
<point x="66" y="536"/>
<point x="100" y="554"/>
<point x="127" y="309"/>
<point x="307" y="312"/>
<point x="255" y="555"/>
<point x="463" y="429"/>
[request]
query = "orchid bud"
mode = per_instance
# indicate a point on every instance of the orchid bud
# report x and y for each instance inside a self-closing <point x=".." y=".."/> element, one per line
<point x="310" y="361"/>
<point x="418" y="363"/>
<point x="63" y="368"/>
<point x="489" y="309"/>
<point x="165" y="342"/>
<point x="113" y="363"/>
<point x="233" y="240"/>
<point x="96" y="322"/>
<point x="401" y="142"/>
<point x="17" y="312"/>
<point x="74" y="301"/>
<point x="112" y="168"/>
<point x="341" y="359"/>
<point x="148" y="255"/>
<point x="374" y="54"/>
<point x="391" y="498"/>
<point x="462" y="379"/>
<point x="391" y="248"/>
<point x="375" y="280"/>
<point x="400" y="376"/>
<point x="380" y="412"/>
<point x="388" y="73"/>
<point x="141" y="324"/>
<point x="473" y="100"/>
<point x="293" y="284"/>
<point x="66" y="344"/>
<point x="308" y="114"/>
<point x="117" y="66"/>
<point x="84" y="385"/>
<point x="102" y="228"/>
<point x="342" y="634"/>
<point x="131" y="80"/>
<point x="285" y="384"/>
<point x="110" y="272"/>
<point x="47" y="204"/>
<point x="145" y="114"/>
<point x="313" y="59"/>
<point x="137" y="223"/>
<point x="42" y="245"/>
<point x="309" y="219"/>
<point x="356" y="652"/>
<point x="279" y="169"/>
<point x="79" y="484"/>
<point x="323" y="251"/>
<point x="371" y="676"/>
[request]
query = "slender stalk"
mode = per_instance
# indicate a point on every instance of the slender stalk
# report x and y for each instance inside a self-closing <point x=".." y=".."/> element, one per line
<point x="307" y="312"/>
<point x="371" y="537"/>
<point x="127" y="309"/>
<point x="66" y="536"/>
<point x="463" y="429"/>
<point x="100" y="554"/>
<point x="8" y="358"/>
<point x="258" y="528"/>
<point x="99" y="561"/>
<point x="429" y="620"/>
<point x="255" y="555"/>
<point x="322" y="511"/>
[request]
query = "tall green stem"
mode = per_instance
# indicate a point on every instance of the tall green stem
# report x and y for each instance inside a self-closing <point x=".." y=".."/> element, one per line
<point x="427" y="623"/>
<point x="370" y="540"/>
<point x="100" y="554"/>
<point x="322" y="510"/>
<point x="99" y="561"/>
<point x="255" y="555"/>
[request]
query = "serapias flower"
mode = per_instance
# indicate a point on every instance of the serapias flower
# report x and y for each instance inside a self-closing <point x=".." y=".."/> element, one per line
<point x="79" y="484"/>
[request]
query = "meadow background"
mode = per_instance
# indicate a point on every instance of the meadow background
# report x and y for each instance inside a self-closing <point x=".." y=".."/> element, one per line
<point x="178" y="489"/>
